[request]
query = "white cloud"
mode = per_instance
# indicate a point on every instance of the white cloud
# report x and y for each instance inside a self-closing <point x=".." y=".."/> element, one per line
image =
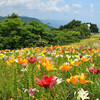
<point x="91" y="5"/>
<point x="2" y="3"/>
<point x="11" y="2"/>
<point x="43" y="5"/>
<point x="91" y="8"/>
<point x="48" y="5"/>
<point x="75" y="12"/>
<point x="77" y="5"/>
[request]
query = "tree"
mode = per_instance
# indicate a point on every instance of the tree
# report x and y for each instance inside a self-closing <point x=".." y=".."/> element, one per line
<point x="94" y="28"/>
<point x="11" y="26"/>
<point x="13" y="15"/>
<point x="71" y="25"/>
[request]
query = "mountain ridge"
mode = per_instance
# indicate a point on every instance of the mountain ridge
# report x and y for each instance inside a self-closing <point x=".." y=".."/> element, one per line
<point x="26" y="19"/>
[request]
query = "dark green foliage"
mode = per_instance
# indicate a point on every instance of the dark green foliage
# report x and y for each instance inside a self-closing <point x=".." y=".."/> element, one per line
<point x="84" y="31"/>
<point x="13" y="15"/>
<point x="23" y="19"/>
<point x="71" y="25"/>
<point x="76" y="26"/>
<point x="94" y="28"/>
<point x="17" y="34"/>
<point x="61" y="38"/>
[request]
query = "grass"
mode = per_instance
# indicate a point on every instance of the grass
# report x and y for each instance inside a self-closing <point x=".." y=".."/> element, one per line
<point x="71" y="64"/>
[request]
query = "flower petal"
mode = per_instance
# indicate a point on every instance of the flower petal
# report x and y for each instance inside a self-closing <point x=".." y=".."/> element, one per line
<point x="40" y="82"/>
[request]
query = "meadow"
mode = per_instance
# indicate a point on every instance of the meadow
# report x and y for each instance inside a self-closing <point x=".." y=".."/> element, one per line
<point x="68" y="72"/>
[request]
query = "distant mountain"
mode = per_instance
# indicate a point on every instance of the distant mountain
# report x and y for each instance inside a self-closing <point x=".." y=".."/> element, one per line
<point x="55" y="23"/>
<point x="27" y="19"/>
<point x="1" y="18"/>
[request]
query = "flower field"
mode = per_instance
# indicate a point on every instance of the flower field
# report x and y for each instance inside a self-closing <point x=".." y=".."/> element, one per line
<point x="69" y="72"/>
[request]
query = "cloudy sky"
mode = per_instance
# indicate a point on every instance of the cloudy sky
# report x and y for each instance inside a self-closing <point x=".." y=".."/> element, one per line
<point x="84" y="10"/>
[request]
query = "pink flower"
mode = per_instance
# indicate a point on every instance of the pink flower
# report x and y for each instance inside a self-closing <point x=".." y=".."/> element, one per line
<point x="32" y="59"/>
<point x="91" y="70"/>
<point x="94" y="70"/>
<point x="24" y="64"/>
<point x="31" y="91"/>
<point x="5" y="57"/>
<point x="90" y="59"/>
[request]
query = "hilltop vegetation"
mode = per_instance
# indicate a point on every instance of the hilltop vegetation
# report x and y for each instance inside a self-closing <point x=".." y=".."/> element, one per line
<point x="17" y="34"/>
<point x="25" y="19"/>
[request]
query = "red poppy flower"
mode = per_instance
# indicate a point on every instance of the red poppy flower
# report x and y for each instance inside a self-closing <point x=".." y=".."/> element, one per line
<point x="46" y="81"/>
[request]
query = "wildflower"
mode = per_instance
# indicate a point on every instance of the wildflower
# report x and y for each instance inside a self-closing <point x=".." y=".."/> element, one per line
<point x="11" y="99"/>
<point x="85" y="59"/>
<point x="65" y="67"/>
<point x="38" y="66"/>
<point x="22" y="60"/>
<point x="74" y="79"/>
<point x="31" y="91"/>
<point x="24" y="69"/>
<point x="66" y="51"/>
<point x="77" y="63"/>
<point x="48" y="64"/>
<point x="80" y="56"/>
<point x="46" y="81"/>
<point x="32" y="59"/>
<point x="82" y="95"/>
<point x="24" y="64"/>
<point x="16" y="60"/>
<point x="48" y="58"/>
<point x="2" y="55"/>
<point x="50" y="68"/>
<point x="94" y="70"/>
<point x="5" y="57"/>
<point x="61" y="56"/>
<point x="10" y="61"/>
<point x="58" y="80"/>
<point x="82" y="79"/>
<point x="71" y="61"/>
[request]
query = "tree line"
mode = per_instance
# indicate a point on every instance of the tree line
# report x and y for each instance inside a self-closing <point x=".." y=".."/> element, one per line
<point x="17" y="34"/>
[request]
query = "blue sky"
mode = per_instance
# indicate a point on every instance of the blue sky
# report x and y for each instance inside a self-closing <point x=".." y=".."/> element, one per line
<point x="84" y="10"/>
